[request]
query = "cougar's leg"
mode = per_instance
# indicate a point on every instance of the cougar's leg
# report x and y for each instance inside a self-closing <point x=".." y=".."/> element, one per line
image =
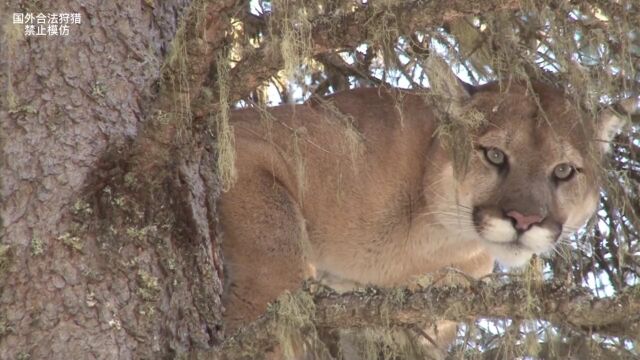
<point x="264" y="233"/>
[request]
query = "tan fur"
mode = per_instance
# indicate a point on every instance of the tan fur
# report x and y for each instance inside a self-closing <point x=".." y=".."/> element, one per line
<point x="384" y="207"/>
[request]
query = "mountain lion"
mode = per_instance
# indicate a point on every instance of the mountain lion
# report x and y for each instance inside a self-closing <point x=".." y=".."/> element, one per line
<point x="359" y="189"/>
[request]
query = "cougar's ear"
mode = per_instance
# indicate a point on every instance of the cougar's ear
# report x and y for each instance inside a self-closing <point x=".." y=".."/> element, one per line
<point x="609" y="123"/>
<point x="445" y="83"/>
<point x="612" y="119"/>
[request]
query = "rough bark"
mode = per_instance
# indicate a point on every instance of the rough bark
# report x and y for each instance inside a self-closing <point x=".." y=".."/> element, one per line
<point x="95" y="263"/>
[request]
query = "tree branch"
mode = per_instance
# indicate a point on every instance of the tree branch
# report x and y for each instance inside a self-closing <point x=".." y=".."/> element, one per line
<point x="372" y="307"/>
<point x="348" y="30"/>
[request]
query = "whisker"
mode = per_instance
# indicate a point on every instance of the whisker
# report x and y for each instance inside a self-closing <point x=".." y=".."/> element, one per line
<point x="443" y="217"/>
<point x="570" y="228"/>
<point x="442" y="213"/>
<point x="573" y="244"/>
<point x="454" y="207"/>
<point x="455" y="221"/>
<point x="561" y="254"/>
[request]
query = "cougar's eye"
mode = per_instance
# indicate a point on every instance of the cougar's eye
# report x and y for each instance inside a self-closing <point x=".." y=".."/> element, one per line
<point x="564" y="171"/>
<point x="495" y="156"/>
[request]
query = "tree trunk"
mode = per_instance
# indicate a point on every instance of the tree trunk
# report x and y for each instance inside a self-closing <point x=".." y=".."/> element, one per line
<point x="102" y="256"/>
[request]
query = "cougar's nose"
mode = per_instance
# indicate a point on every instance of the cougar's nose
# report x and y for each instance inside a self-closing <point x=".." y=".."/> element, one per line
<point x="524" y="222"/>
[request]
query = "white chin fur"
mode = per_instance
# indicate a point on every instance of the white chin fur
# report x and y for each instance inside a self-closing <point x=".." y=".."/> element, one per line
<point x="499" y="231"/>
<point x="539" y="240"/>
<point x="509" y="255"/>
<point x="500" y="235"/>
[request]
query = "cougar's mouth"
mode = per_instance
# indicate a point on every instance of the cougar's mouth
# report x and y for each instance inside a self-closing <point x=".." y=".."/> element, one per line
<point x="508" y="244"/>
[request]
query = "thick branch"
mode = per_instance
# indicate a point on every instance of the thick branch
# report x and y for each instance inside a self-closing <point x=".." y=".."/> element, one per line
<point x="573" y="308"/>
<point x="551" y="302"/>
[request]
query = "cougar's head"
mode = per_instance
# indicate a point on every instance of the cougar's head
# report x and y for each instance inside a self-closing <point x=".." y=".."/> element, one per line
<point x="532" y="175"/>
